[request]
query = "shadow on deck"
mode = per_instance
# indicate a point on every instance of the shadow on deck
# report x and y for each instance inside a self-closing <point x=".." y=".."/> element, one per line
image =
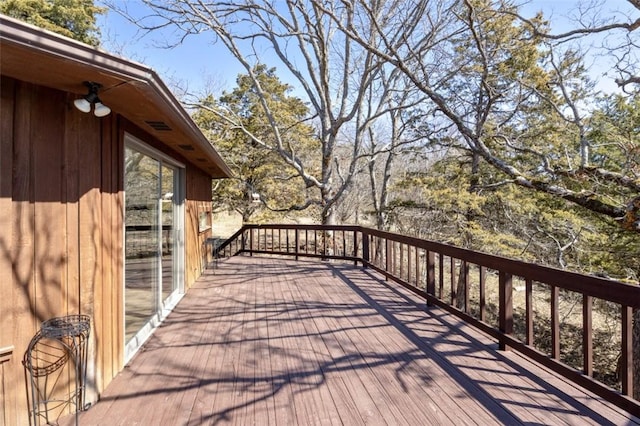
<point x="270" y="341"/>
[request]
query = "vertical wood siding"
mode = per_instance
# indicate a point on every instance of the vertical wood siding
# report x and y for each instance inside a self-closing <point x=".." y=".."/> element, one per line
<point x="60" y="241"/>
<point x="198" y="200"/>
<point x="61" y="230"/>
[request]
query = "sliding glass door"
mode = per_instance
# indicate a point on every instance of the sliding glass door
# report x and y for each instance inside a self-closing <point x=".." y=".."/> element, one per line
<point x="153" y="239"/>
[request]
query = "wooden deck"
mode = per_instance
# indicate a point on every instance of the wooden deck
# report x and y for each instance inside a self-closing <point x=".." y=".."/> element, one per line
<point x="267" y="341"/>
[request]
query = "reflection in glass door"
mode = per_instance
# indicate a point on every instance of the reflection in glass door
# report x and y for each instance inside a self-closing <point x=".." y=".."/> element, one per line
<point x="152" y="241"/>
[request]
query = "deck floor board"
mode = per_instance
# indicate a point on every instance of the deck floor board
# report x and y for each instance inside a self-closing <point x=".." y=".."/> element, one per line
<point x="265" y="341"/>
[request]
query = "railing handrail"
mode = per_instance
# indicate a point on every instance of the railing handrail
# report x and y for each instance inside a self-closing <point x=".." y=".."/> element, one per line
<point x="227" y="242"/>
<point x="589" y="284"/>
<point x="254" y="239"/>
<point x="599" y="287"/>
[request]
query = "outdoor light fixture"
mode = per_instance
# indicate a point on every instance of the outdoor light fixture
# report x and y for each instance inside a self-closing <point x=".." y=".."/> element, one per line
<point x="84" y="104"/>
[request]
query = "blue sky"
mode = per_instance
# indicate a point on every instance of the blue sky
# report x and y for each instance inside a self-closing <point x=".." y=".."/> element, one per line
<point x="192" y="64"/>
<point x="199" y="63"/>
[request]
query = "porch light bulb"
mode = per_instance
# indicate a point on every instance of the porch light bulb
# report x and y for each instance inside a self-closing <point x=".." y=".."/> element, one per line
<point x="82" y="104"/>
<point x="101" y="110"/>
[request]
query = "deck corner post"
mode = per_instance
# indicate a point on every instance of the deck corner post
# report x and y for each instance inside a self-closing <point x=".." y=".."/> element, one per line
<point x="506" y="307"/>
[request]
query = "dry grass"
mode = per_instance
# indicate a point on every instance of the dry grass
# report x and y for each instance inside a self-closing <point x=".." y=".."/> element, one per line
<point x="225" y="224"/>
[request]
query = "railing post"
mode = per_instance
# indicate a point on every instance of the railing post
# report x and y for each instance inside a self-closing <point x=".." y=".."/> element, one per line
<point x="418" y="271"/>
<point x="242" y="243"/>
<point x="555" y="323"/>
<point x="387" y="259"/>
<point x="506" y="307"/>
<point x="388" y="254"/>
<point x="297" y="242"/>
<point x="627" y="351"/>
<point x="464" y="270"/>
<point x="402" y="261"/>
<point x="250" y="242"/>
<point x="324" y="244"/>
<point x="481" y="296"/>
<point x="454" y="286"/>
<point x="440" y="275"/>
<point x="365" y="249"/>
<point x="431" y="275"/>
<point x="333" y="248"/>
<point x="529" y="312"/>
<point x="355" y="248"/>
<point x="587" y="336"/>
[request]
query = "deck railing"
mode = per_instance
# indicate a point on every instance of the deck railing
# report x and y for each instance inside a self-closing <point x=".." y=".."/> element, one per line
<point x="479" y="288"/>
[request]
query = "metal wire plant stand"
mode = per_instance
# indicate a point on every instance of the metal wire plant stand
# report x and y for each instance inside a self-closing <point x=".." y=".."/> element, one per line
<point x="51" y="391"/>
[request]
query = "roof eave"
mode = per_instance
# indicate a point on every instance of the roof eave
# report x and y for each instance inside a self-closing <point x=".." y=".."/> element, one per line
<point x="120" y="71"/>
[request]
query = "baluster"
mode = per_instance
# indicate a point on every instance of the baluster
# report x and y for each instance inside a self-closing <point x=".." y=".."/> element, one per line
<point x="401" y="259"/>
<point x="251" y="242"/>
<point x="555" y="320"/>
<point x="452" y="269"/>
<point x="418" y="277"/>
<point x="464" y="270"/>
<point x="529" y="311"/>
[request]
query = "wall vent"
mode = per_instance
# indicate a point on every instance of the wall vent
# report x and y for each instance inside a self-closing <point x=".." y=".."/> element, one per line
<point x="186" y="147"/>
<point x="160" y="126"/>
<point x="202" y="160"/>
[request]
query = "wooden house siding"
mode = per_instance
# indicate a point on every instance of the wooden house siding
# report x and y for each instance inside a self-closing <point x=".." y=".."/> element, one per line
<point x="61" y="229"/>
<point x="198" y="201"/>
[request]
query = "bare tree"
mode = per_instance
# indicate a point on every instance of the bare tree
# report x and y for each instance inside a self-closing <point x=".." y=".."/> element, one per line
<point x="486" y="72"/>
<point x="333" y="72"/>
<point x="392" y="138"/>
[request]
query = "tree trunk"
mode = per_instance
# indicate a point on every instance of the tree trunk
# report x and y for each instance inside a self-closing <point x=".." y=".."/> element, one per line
<point x="474" y="182"/>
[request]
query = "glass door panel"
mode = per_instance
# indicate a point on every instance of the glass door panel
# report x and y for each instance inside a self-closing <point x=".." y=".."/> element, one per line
<point x="154" y="250"/>
<point x="142" y="255"/>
